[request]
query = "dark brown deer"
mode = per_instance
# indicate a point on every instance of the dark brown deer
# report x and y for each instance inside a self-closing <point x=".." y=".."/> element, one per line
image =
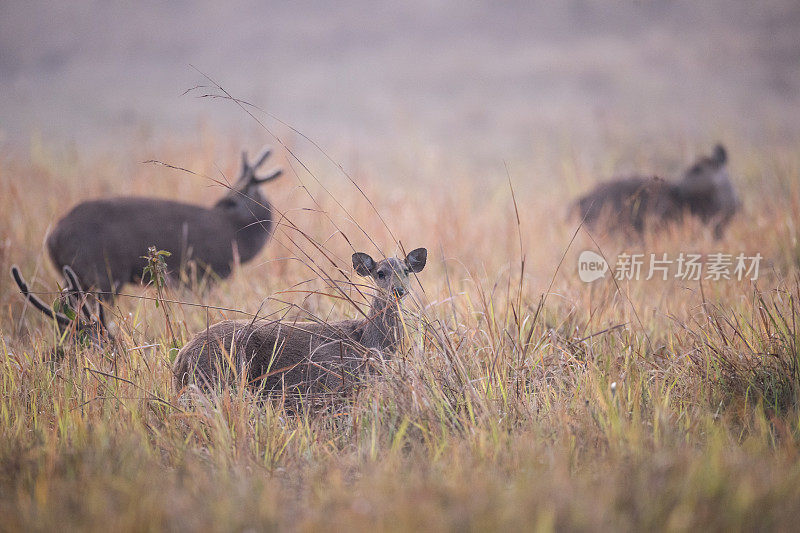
<point x="104" y="241"/>
<point x="72" y="313"/>
<point x="302" y="357"/>
<point x="637" y="204"/>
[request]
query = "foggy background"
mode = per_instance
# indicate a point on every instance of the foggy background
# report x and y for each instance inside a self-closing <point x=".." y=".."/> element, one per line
<point x="477" y="79"/>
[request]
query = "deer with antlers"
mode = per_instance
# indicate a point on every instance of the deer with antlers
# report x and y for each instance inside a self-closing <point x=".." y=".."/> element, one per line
<point x="104" y="241"/>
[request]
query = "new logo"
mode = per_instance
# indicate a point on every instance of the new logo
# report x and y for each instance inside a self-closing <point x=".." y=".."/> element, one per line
<point x="591" y="266"/>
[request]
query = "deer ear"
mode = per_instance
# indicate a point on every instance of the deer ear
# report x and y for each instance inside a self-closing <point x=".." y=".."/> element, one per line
<point x="416" y="259"/>
<point x="720" y="155"/>
<point x="363" y="263"/>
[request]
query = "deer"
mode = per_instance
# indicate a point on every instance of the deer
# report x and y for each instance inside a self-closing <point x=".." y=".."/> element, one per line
<point x="300" y="356"/>
<point x="635" y="204"/>
<point x="71" y="313"/>
<point x="104" y="241"/>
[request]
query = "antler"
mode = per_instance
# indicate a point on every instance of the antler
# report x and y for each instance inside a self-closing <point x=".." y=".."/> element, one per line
<point x="720" y="154"/>
<point x="61" y="318"/>
<point x="263" y="157"/>
<point x="76" y="299"/>
<point x="72" y="281"/>
<point x="249" y="171"/>
<point x="269" y="177"/>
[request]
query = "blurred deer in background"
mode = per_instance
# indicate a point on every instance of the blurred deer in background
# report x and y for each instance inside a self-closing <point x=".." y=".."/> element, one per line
<point x="104" y="240"/>
<point x="637" y="204"/>
<point x="71" y="311"/>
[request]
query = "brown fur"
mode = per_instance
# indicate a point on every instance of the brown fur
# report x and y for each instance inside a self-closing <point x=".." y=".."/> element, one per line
<point x="638" y="204"/>
<point x="304" y="357"/>
<point x="104" y="240"/>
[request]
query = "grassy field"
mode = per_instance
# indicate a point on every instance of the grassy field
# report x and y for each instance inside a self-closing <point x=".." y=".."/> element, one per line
<point x="524" y="398"/>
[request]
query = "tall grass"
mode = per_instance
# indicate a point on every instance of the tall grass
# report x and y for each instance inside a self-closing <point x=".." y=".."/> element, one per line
<point x="522" y="398"/>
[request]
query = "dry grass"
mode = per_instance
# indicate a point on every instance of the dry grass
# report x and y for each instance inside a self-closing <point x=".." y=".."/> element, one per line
<point x="499" y="414"/>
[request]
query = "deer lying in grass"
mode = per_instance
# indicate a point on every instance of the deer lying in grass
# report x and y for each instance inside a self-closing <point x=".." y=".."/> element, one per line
<point x="632" y="205"/>
<point x="71" y="312"/>
<point x="302" y="357"/>
<point x="104" y="240"/>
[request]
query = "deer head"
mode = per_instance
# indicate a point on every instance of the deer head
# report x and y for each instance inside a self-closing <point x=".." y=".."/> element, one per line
<point x="708" y="191"/>
<point x="73" y="300"/>
<point x="708" y="175"/>
<point x="391" y="275"/>
<point x="248" y="183"/>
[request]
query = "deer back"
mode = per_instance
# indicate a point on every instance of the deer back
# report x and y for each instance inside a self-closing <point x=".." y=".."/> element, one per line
<point x="280" y="355"/>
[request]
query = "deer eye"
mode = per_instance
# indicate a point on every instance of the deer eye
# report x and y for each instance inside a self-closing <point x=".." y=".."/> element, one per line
<point x="381" y="274"/>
